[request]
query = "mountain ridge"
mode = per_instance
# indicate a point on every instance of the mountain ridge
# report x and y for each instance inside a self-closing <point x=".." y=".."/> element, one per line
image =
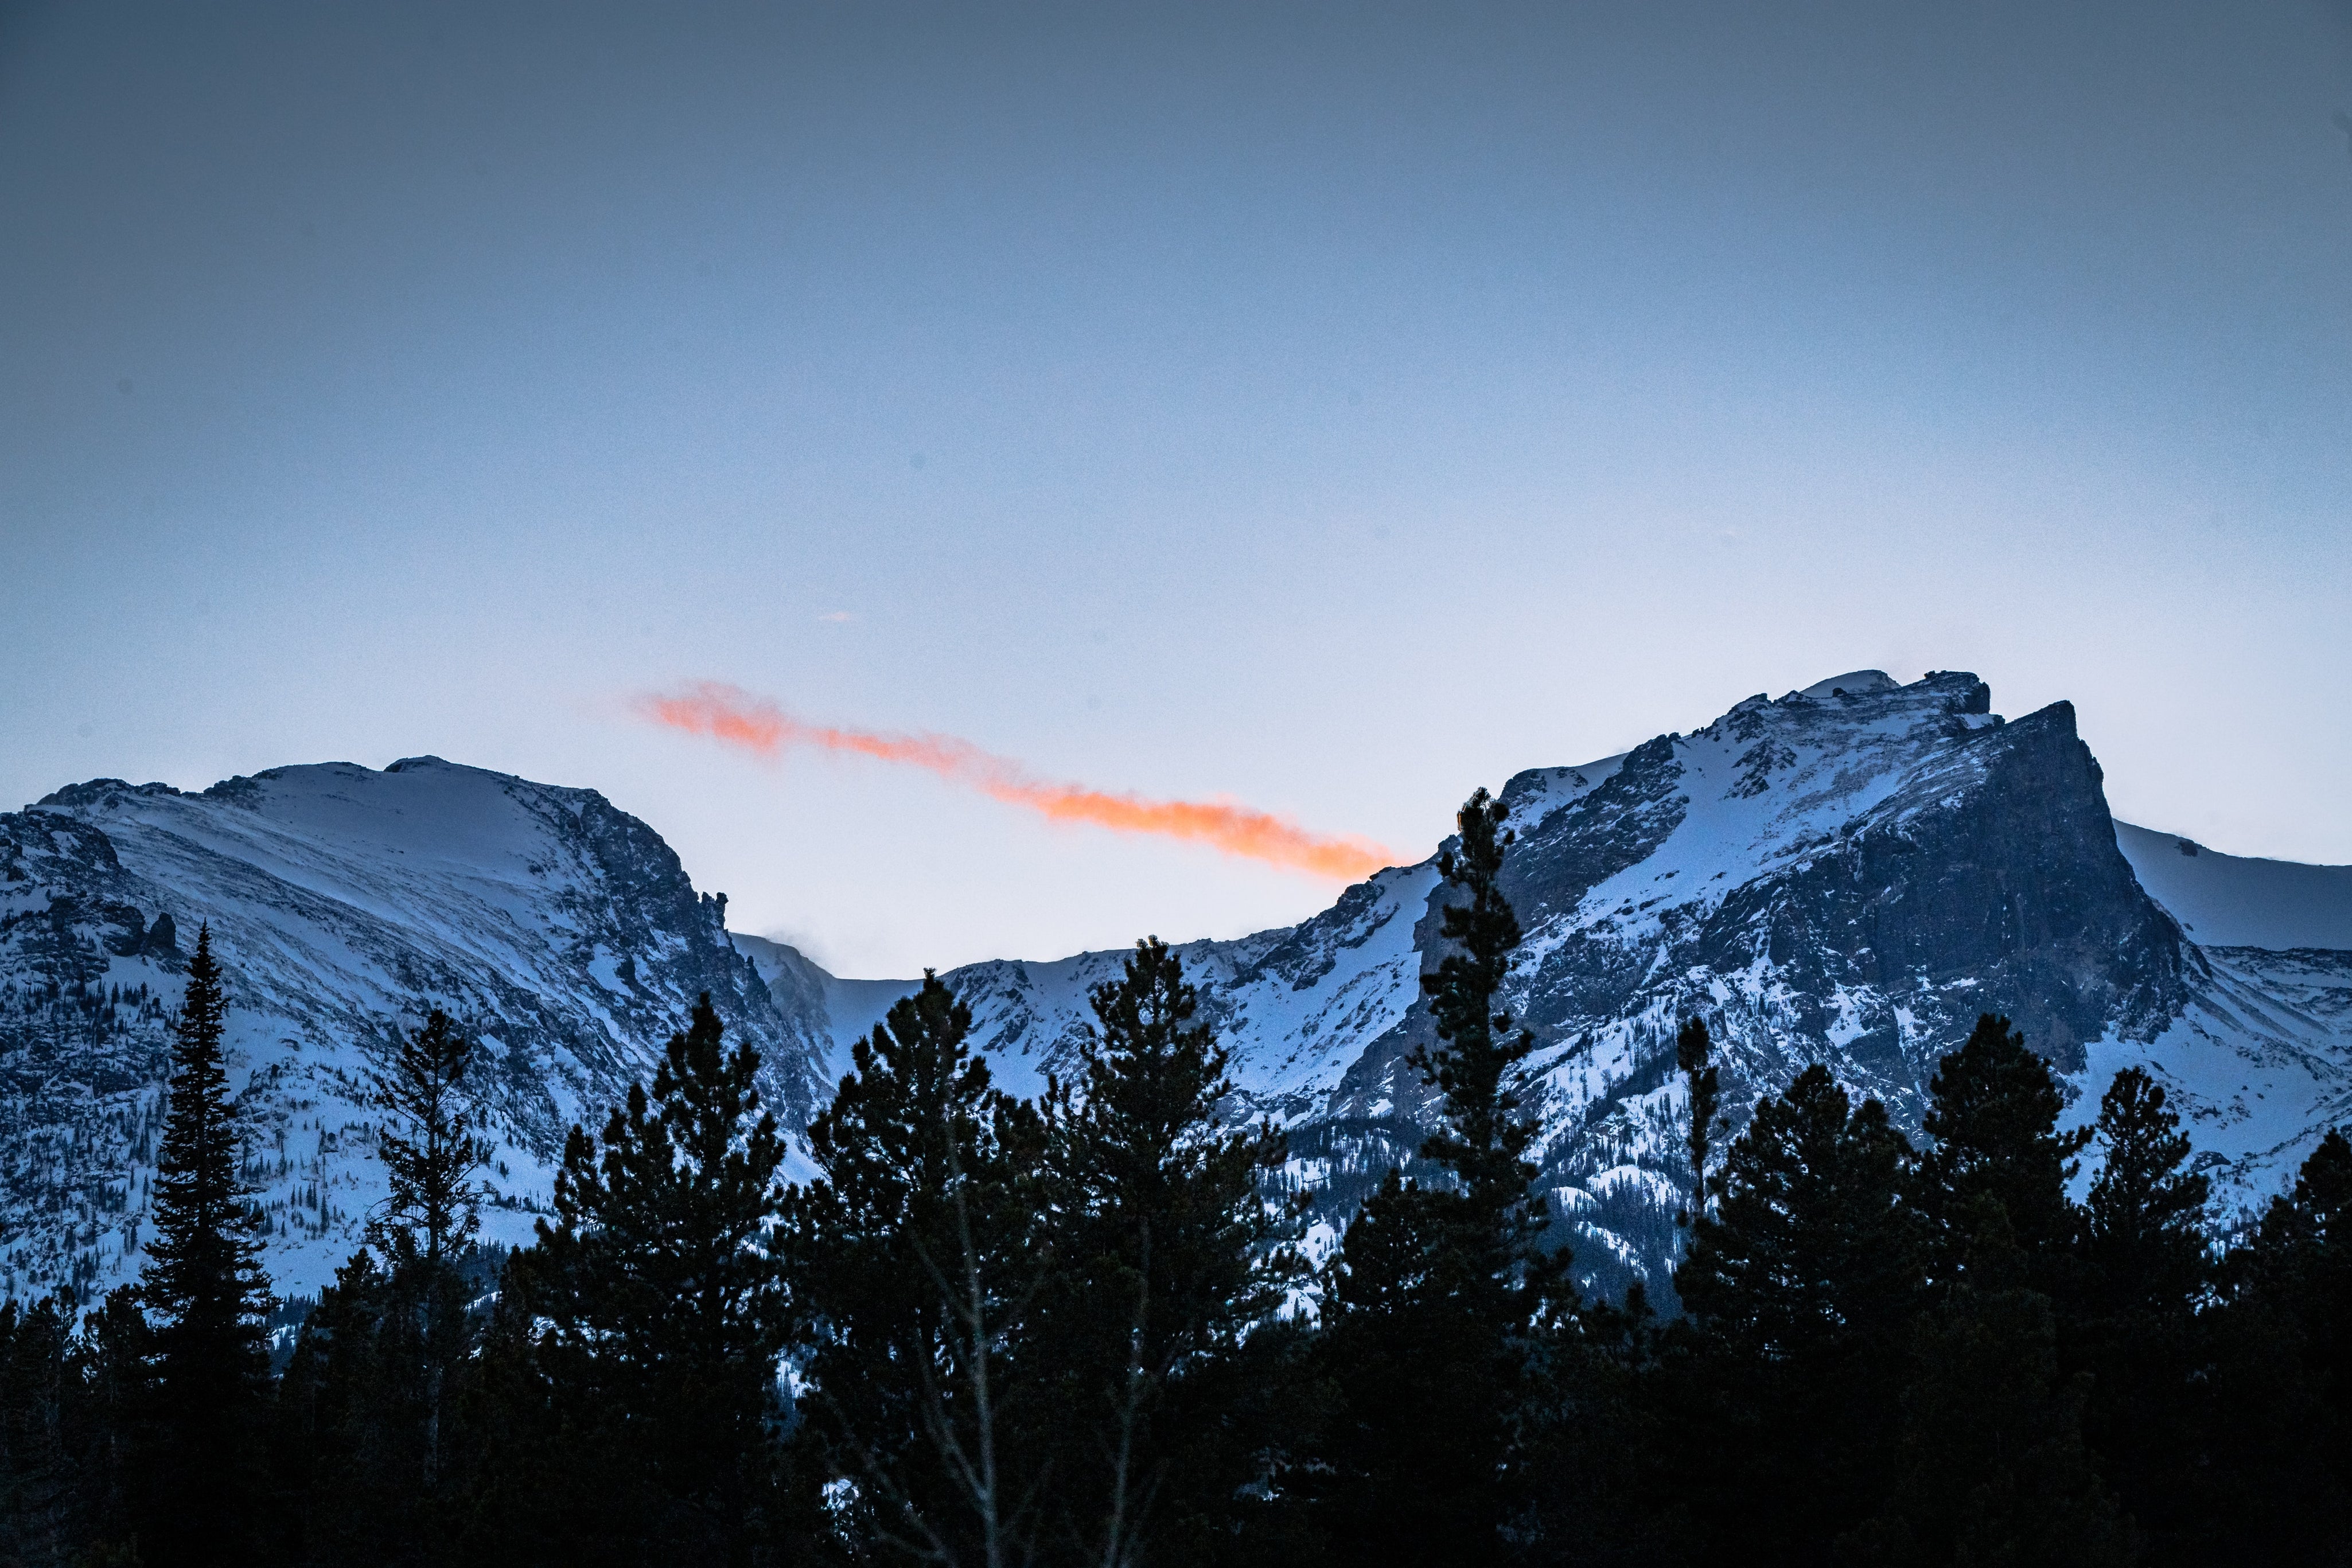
<point x="1847" y="873"/>
<point x="561" y="932"/>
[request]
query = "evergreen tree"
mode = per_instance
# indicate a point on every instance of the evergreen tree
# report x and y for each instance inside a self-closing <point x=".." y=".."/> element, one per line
<point x="1810" y="1255"/>
<point x="360" y="1433"/>
<point x="2304" y="1257"/>
<point x="1694" y="1054"/>
<point x="44" y="1504"/>
<point x="1992" y="1117"/>
<point x="2144" y="1252"/>
<point x="917" y="1255"/>
<point x="665" y="1308"/>
<point x="1483" y="1140"/>
<point x="351" y="1433"/>
<point x="1440" y="1299"/>
<point x="1993" y="1462"/>
<point x="431" y="1147"/>
<point x="203" y="1283"/>
<point x="116" y="1353"/>
<point x="1800" y="1286"/>
<point x="2276" y="1471"/>
<point x="535" y="1469"/>
<point x="1632" y="1454"/>
<point x="2303" y="1250"/>
<point x="1166" y="1259"/>
<point x="2143" y="1229"/>
<point x="1992" y="1466"/>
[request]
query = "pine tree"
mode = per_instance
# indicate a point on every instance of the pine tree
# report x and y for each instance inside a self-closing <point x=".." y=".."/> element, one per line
<point x="2144" y="1251"/>
<point x="918" y="1255"/>
<point x="534" y="1469"/>
<point x="2276" y="1469"/>
<point x="431" y="1148"/>
<point x="432" y="1145"/>
<point x="44" y="1506"/>
<point x="1631" y="1450"/>
<point x="1800" y="1287"/>
<point x="203" y="1283"/>
<point x="349" y="1456"/>
<point x="1440" y="1300"/>
<point x="665" y="1307"/>
<point x="2143" y="1232"/>
<point x="1483" y="1140"/>
<point x="1166" y="1257"/>
<point x="1992" y="1117"/>
<point x="360" y="1433"/>
<point x="116" y="1353"/>
<point x="1810" y="1254"/>
<point x="1693" y="1055"/>
<point x="2305" y="1245"/>
<point x="1992" y="1466"/>
<point x="1993" y="1462"/>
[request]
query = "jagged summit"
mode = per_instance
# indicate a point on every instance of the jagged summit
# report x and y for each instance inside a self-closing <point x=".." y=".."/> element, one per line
<point x="74" y="795"/>
<point x="1854" y="683"/>
<point x="1848" y="875"/>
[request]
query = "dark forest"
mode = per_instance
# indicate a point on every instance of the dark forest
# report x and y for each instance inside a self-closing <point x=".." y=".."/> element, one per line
<point x="1077" y="1330"/>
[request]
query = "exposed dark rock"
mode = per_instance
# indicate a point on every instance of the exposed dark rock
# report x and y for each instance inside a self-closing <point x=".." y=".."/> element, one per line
<point x="1848" y="875"/>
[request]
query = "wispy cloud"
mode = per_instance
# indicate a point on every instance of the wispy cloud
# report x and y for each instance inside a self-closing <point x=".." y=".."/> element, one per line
<point x="740" y="719"/>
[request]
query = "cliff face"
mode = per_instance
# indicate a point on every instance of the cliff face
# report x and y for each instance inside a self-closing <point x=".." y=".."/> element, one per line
<point x="1850" y="874"/>
<point x="1993" y="868"/>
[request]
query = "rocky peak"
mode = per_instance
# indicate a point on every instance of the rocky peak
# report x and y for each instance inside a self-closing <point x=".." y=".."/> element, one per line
<point x="1848" y="875"/>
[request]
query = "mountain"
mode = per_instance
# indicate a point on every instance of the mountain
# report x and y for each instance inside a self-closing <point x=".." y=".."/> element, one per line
<point x="1849" y="874"/>
<point x="561" y="931"/>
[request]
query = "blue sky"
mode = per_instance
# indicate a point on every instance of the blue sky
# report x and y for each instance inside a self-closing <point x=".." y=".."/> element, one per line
<point x="1337" y="408"/>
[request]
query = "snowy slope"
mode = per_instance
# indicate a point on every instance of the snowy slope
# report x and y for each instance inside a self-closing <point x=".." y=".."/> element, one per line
<point x="2234" y="901"/>
<point x="1848" y="875"/>
<point x="561" y="932"/>
<point x="2263" y="1052"/>
<point x="1296" y="1006"/>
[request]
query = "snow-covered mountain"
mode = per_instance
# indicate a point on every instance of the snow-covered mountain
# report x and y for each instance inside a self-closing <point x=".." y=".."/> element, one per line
<point x="344" y="901"/>
<point x="1849" y="874"/>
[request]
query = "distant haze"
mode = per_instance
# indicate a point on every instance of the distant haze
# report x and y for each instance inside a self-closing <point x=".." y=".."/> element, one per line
<point x="1328" y="409"/>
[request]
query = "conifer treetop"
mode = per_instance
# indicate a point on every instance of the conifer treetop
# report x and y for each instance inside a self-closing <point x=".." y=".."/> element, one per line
<point x="1485" y="1139"/>
<point x="1992" y="1117"/>
<point x="662" y="1223"/>
<point x="204" y="1266"/>
<point x="433" y="1145"/>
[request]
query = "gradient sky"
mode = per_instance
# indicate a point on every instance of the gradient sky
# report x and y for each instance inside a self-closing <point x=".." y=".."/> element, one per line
<point x="1337" y="408"/>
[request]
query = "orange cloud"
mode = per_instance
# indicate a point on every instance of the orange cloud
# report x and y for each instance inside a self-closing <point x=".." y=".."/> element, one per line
<point x="736" y="718"/>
